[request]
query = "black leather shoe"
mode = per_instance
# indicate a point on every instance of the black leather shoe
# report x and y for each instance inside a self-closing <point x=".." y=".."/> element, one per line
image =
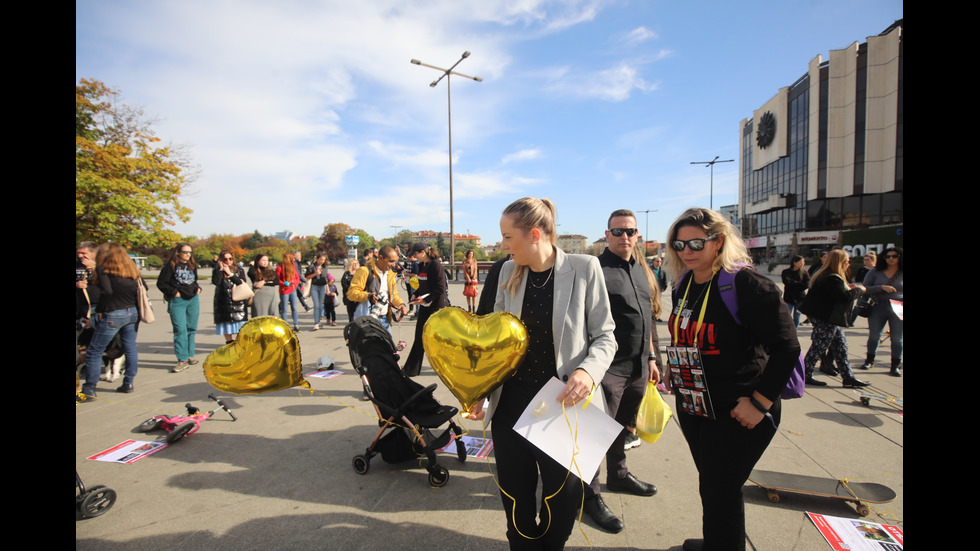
<point x="127" y="388"/>
<point x="810" y="381"/>
<point x="630" y="485"/>
<point x="693" y="545"/>
<point x="854" y="383"/>
<point x="829" y="370"/>
<point x="598" y="511"/>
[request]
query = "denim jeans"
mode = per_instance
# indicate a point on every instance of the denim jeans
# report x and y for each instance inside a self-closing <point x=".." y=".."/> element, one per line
<point x="125" y="322"/>
<point x="794" y="309"/>
<point x="183" y="318"/>
<point x="317" y="292"/>
<point x="291" y="299"/>
<point x="882" y="314"/>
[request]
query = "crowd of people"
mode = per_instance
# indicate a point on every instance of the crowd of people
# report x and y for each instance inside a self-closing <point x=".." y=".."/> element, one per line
<point x="591" y="323"/>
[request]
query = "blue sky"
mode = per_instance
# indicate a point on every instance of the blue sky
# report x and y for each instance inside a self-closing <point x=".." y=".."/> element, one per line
<point x="306" y="112"/>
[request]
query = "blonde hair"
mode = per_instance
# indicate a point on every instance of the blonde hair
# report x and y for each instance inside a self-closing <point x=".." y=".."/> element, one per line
<point x="638" y="256"/>
<point x="528" y="214"/>
<point x="732" y="252"/>
<point x="836" y="263"/>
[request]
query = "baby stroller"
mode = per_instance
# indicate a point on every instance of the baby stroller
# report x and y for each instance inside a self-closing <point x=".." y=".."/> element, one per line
<point x="402" y="404"/>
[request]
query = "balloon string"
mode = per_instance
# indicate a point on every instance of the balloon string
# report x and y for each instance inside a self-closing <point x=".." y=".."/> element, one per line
<point x="575" y="452"/>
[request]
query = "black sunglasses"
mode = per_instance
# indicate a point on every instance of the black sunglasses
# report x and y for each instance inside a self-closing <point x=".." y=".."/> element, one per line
<point x="693" y="244"/>
<point x="618" y="232"/>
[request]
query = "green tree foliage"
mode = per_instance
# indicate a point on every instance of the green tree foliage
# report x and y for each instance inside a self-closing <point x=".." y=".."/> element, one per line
<point x="332" y="240"/>
<point x="127" y="187"/>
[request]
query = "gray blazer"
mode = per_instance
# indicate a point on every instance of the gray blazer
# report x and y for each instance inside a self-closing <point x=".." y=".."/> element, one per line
<point x="581" y="319"/>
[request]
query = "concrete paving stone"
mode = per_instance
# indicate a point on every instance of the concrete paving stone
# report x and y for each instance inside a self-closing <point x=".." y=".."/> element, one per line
<point x="281" y="477"/>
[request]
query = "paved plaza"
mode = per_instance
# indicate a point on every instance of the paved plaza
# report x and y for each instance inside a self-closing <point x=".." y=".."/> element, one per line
<point x="281" y="478"/>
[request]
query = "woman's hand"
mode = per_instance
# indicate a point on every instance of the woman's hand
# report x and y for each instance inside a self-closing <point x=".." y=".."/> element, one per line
<point x="654" y="376"/>
<point x="746" y="413"/>
<point x="258" y="284"/>
<point x="578" y="388"/>
<point x="888" y="289"/>
<point x="476" y="412"/>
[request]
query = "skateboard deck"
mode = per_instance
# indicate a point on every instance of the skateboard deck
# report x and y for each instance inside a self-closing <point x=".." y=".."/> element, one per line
<point x="858" y="493"/>
<point x="866" y="399"/>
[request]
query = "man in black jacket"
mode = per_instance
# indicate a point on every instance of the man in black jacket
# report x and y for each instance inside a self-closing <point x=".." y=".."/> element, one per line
<point x="635" y="362"/>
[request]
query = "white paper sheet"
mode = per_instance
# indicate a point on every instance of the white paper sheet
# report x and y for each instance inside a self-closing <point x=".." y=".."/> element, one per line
<point x="587" y="433"/>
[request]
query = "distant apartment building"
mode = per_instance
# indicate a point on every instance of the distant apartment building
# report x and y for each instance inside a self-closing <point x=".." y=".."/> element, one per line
<point x="573" y="243"/>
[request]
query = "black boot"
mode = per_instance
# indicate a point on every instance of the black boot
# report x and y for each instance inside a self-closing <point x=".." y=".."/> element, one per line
<point x="851" y="382"/>
<point x="896" y="367"/>
<point x="870" y="361"/>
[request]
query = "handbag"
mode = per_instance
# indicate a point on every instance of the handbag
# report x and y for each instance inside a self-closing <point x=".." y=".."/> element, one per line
<point x="241" y="292"/>
<point x="653" y="414"/>
<point x="143" y="303"/>
<point x="865" y="303"/>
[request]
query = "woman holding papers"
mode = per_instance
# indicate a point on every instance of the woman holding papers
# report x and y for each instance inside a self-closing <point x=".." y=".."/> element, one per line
<point x="562" y="301"/>
<point x="743" y="364"/>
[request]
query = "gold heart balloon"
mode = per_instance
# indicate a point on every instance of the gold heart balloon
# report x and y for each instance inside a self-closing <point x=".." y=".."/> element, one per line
<point x="473" y="354"/>
<point x="414" y="282"/>
<point x="264" y="357"/>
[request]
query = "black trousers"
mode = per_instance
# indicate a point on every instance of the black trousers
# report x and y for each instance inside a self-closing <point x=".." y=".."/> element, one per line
<point x="623" y="396"/>
<point x="413" y="365"/>
<point x="518" y="463"/>
<point x="725" y="453"/>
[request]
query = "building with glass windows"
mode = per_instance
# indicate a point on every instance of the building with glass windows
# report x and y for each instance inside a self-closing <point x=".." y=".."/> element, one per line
<point x="821" y="162"/>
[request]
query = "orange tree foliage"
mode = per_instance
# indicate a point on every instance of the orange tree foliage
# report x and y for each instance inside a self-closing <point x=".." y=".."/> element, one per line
<point x="127" y="187"/>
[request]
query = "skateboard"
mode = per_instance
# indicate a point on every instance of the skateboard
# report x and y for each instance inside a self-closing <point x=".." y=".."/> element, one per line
<point x="858" y="493"/>
<point x="866" y="398"/>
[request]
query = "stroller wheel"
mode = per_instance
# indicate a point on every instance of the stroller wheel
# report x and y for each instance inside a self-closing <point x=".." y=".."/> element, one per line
<point x="361" y="464"/>
<point x="438" y="477"/>
<point x="180" y="431"/>
<point x="96" y="501"/>
<point x="149" y="424"/>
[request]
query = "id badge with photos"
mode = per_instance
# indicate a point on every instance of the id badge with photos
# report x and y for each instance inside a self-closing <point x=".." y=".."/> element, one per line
<point x="686" y="376"/>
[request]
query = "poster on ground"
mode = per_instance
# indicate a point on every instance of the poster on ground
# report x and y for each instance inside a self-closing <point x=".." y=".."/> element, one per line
<point x="848" y="534"/>
<point x="128" y="452"/>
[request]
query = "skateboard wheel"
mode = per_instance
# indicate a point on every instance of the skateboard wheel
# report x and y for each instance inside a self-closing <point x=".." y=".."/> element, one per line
<point x="773" y="497"/>
<point x="863" y="510"/>
<point x="865" y="400"/>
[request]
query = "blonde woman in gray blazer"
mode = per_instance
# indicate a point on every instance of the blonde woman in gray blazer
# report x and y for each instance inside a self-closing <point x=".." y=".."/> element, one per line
<point x="563" y="303"/>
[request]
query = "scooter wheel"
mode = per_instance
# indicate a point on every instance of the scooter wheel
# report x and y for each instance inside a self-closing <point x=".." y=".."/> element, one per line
<point x="181" y="431"/>
<point x="150" y="424"/>
<point x="97" y="501"/>
<point x="360" y="464"/>
<point x="438" y="477"/>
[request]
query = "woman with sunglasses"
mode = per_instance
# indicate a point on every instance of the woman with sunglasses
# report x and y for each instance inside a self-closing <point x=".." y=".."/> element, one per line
<point x="828" y="306"/>
<point x="229" y="315"/>
<point x="178" y="283"/>
<point x="289" y="283"/>
<point x="886" y="282"/>
<point x="562" y="301"/>
<point x="746" y="365"/>
<point x="265" y="283"/>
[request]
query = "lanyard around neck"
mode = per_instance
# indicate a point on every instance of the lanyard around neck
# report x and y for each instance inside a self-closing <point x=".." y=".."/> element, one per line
<point x="704" y="306"/>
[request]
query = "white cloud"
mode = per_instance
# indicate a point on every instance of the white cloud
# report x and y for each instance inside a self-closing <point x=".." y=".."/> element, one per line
<point x="523" y="155"/>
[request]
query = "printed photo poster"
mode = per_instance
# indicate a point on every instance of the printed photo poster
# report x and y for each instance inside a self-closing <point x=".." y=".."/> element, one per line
<point x="686" y="376"/>
<point x="479" y="448"/>
<point x="128" y="452"/>
<point x="846" y="534"/>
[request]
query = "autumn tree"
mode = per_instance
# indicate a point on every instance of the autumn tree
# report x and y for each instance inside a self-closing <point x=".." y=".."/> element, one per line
<point x="128" y="186"/>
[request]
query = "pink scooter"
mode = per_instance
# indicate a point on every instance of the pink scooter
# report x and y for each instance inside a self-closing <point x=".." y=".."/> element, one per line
<point x="180" y="426"/>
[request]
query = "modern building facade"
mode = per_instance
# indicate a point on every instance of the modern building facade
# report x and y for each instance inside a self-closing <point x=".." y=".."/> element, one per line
<point x="821" y="163"/>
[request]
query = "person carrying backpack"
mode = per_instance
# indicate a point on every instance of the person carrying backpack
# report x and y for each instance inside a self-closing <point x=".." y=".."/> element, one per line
<point x="732" y="369"/>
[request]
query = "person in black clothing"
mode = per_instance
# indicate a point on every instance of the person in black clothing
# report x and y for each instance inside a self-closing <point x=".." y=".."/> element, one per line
<point x="432" y="295"/>
<point x="746" y="365"/>
<point x="631" y="290"/>
<point x="490" y="284"/>
<point x="795" y="285"/>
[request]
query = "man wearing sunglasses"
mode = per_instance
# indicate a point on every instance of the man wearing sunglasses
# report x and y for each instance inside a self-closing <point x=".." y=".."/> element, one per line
<point x="634" y="364"/>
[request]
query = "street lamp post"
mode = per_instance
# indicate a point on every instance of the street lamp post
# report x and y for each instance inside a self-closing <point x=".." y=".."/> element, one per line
<point x="646" y="233"/>
<point x="449" y="102"/>
<point x="711" y="165"/>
